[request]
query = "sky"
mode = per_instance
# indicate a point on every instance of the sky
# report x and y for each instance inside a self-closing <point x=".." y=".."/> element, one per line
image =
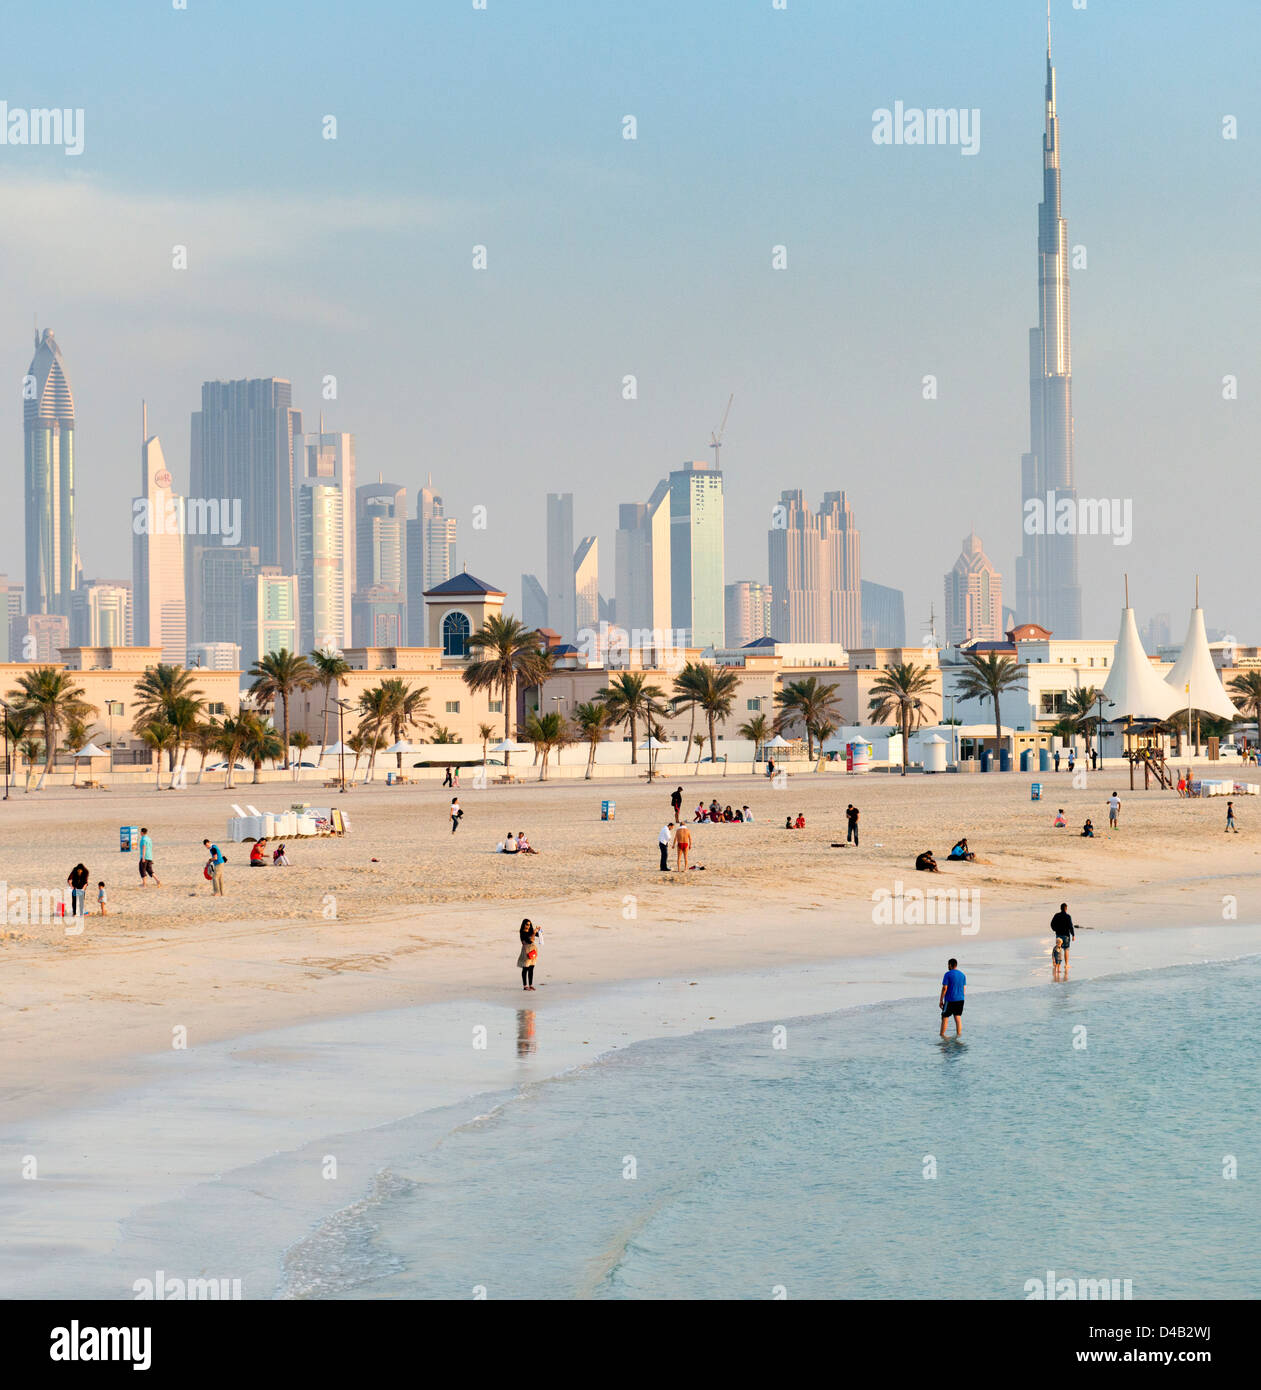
<point x="503" y="127"/>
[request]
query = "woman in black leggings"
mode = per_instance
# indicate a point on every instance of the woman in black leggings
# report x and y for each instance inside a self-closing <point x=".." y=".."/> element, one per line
<point x="529" y="954"/>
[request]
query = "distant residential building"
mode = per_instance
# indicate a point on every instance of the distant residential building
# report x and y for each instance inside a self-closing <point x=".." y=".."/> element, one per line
<point x="380" y="618"/>
<point x="562" y="601"/>
<point x="533" y="602"/>
<point x="270" y="617"/>
<point x="101" y="614"/>
<point x="49" y="434"/>
<point x="642" y="563"/>
<point x="381" y="562"/>
<point x="430" y="556"/>
<point x="10" y="599"/>
<point x="214" y="656"/>
<point x="224" y="574"/>
<point x="883" y="616"/>
<point x="840" y="554"/>
<point x="326" y="520"/>
<point x="814" y="571"/>
<point x="587" y="585"/>
<point x="974" y="596"/>
<point x="1157" y="632"/>
<point x="38" y="637"/>
<point x="697" y="554"/>
<point x="245" y="454"/>
<point x="749" y="612"/>
<point x="157" y="546"/>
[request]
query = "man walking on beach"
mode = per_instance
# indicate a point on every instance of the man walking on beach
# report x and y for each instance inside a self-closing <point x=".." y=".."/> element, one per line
<point x="1114" y="811"/>
<point x="216" y="869"/>
<point x="1230" y="818"/>
<point x="146" y="858"/>
<point x="1062" y="926"/>
<point x="676" y="804"/>
<point x="664" y="841"/>
<point x="951" y="1001"/>
<point x="851" y="832"/>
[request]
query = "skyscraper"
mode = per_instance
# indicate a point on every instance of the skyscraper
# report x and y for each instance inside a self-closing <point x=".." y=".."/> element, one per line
<point x="533" y="602"/>
<point x="561" y="598"/>
<point x="380" y="564"/>
<point x="749" y="612"/>
<point x="327" y="539"/>
<point x="269" y="614"/>
<point x="430" y="557"/>
<point x="1047" y="587"/>
<point x="974" y="596"/>
<point x="587" y="585"/>
<point x="814" y="571"/>
<point x="884" y="616"/>
<point x="839" y="551"/>
<point x="696" y="554"/>
<point x="245" y="448"/>
<point x="642" y="563"/>
<point x="157" y="549"/>
<point x="101" y="614"/>
<point x="48" y="427"/>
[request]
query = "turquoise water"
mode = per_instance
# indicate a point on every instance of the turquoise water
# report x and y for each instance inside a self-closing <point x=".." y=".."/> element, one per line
<point x="802" y="1169"/>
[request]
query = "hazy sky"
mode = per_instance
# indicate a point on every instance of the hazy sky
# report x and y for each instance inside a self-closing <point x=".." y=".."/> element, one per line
<point x="607" y="257"/>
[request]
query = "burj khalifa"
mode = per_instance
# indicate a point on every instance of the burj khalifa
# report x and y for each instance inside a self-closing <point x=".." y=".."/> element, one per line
<point x="1047" y="587"/>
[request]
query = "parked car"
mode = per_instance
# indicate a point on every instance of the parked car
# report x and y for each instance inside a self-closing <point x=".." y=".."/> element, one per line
<point x="293" y="765"/>
<point x="223" y="766"/>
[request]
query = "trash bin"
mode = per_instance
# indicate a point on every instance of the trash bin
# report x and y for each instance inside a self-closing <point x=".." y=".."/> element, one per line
<point x="985" y="759"/>
<point x="1044" y="760"/>
<point x="128" y="837"/>
<point x="1026" y="762"/>
<point x="1035" y="791"/>
<point x="608" y="810"/>
<point x="1004" y="760"/>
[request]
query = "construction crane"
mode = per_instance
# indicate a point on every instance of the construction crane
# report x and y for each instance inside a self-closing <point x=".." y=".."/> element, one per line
<point x="715" y="439"/>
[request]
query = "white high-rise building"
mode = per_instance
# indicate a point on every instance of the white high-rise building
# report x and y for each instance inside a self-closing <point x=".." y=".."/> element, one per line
<point x="326" y="540"/>
<point x="697" y="554"/>
<point x="157" y="523"/>
<point x="974" y="596"/>
<point x="100" y="614"/>
<point x="587" y="585"/>
<point x="561" y="597"/>
<point x="642" y="563"/>
<point x="430" y="556"/>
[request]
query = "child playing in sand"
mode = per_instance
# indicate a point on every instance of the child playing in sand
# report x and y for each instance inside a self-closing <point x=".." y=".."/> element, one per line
<point x="1088" y="830"/>
<point x="1230" y="818"/>
<point x="1060" y="822"/>
<point x="101" y="905"/>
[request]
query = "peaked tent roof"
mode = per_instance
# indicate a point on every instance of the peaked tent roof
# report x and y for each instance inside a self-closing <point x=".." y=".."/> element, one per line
<point x="464" y="583"/>
<point x="1134" y="688"/>
<point x="1195" y="668"/>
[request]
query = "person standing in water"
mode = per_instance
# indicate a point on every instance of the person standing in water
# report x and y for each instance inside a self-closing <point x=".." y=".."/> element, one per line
<point x="951" y="1001"/>
<point x="528" y="956"/>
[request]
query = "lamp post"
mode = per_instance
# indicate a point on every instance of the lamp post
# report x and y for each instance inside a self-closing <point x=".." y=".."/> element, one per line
<point x="341" y="743"/>
<point x="1099" y="725"/>
<point x="954" y="761"/>
<point x="113" y="707"/>
<point x="557" y="700"/>
<point x="5" y="707"/>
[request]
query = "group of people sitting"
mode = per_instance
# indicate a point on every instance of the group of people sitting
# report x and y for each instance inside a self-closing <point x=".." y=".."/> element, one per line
<point x="1087" y="830"/>
<point x="516" y="844"/>
<point x="959" y="853"/>
<point x="798" y="824"/>
<point x="258" y="855"/>
<point x="717" y="815"/>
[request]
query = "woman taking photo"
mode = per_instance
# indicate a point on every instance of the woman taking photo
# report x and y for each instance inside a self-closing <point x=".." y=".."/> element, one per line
<point x="528" y="957"/>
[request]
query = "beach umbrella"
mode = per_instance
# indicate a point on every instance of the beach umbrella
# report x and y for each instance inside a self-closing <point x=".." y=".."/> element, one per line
<point x="651" y="743"/>
<point x="506" y="745"/>
<point x="779" y="741"/>
<point x="402" y="746"/>
<point x="334" y="749"/>
<point x="90" y="750"/>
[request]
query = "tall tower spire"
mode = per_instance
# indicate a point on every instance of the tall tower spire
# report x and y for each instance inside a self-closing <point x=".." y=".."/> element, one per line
<point x="1047" y="588"/>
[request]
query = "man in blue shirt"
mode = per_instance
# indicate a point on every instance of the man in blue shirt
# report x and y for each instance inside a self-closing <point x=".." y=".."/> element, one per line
<point x="217" y="861"/>
<point x="146" y="858"/>
<point x="951" y="1001"/>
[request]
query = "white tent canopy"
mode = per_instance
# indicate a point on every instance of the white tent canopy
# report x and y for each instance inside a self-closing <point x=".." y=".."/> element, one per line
<point x="507" y="746"/>
<point x="1195" y="669"/>
<point x="779" y="741"/>
<point x="402" y="746"/>
<point x="90" y="750"/>
<point x="334" y="749"/>
<point x="1134" y="688"/>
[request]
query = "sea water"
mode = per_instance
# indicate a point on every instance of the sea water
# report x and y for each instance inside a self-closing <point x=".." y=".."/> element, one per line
<point x="1104" y="1130"/>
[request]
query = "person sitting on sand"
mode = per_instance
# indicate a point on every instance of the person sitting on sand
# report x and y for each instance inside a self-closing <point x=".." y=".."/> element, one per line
<point x="748" y="815"/>
<point x="788" y="823"/>
<point x="510" y="844"/>
<point x="927" y="863"/>
<point x="961" y="851"/>
<point x="257" y="858"/>
<point x="1060" y="822"/>
<point x="800" y="822"/>
<point x="728" y="815"/>
<point x="715" y="811"/>
<point x="279" y="859"/>
<point x="701" y="813"/>
<point x="1088" y="830"/>
<point x="739" y="817"/>
<point x="524" y="846"/>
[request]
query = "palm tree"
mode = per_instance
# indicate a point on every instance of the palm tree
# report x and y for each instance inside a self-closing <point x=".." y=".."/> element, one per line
<point x="630" y="698"/>
<point x="202" y="738"/>
<point x="277" y="676"/>
<point x="50" y="696"/>
<point x="229" y="738"/>
<point x="409" y="709"/>
<point x="823" y="731"/>
<point x="506" y="651"/>
<point x="545" y="732"/>
<point x="757" y="731"/>
<point x="715" y="695"/>
<point x="375" y="708"/>
<point x="301" y="741"/>
<point x="32" y="751"/>
<point x="807" y="702"/>
<point x="1247" y="688"/>
<point x="594" y="719"/>
<point x="184" y="716"/>
<point x="259" y="741"/>
<point x="157" y="694"/>
<point x="699" y="741"/>
<point x="985" y="677"/>
<point x="356" y="743"/>
<point x="160" y="736"/>
<point x="1081" y="709"/>
<point x="442" y="734"/>
<point x="16" y="724"/>
<point x="901" y="692"/>
<point x="328" y="667"/>
<point x="485" y="732"/>
<point x="688" y="685"/>
<point x="75" y="737"/>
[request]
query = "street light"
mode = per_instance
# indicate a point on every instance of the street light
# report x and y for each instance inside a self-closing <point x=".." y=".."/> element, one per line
<point x="954" y="761"/>
<point x="557" y="700"/>
<point x="341" y="742"/>
<point x="112" y="708"/>
<point x="1099" y="725"/>
<point x="6" y="748"/>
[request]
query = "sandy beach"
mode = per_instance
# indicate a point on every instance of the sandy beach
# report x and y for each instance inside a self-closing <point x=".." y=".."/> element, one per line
<point x="400" y="911"/>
